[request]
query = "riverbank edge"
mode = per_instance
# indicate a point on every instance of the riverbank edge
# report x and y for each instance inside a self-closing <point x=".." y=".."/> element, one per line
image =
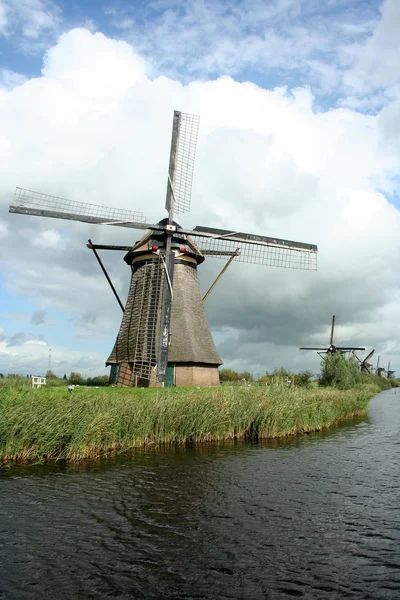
<point x="52" y="425"/>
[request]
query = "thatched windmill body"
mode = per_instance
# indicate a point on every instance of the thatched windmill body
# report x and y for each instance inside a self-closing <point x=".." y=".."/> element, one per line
<point x="164" y="338"/>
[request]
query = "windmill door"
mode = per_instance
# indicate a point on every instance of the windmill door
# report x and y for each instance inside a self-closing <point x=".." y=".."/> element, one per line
<point x="170" y="375"/>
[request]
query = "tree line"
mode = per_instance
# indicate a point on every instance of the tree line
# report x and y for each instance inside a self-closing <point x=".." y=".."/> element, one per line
<point x="73" y="378"/>
<point x="281" y="375"/>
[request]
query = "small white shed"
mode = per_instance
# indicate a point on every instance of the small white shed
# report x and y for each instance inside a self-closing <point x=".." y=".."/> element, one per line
<point x="37" y="382"/>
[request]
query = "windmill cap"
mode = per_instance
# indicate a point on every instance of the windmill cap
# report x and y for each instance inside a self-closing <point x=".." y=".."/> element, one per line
<point x="155" y="238"/>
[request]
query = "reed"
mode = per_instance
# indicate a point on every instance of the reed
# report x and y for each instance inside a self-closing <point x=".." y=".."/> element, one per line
<point x="43" y="424"/>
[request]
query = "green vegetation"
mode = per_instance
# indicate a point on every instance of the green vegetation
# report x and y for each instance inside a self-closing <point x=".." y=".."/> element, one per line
<point x="343" y="374"/>
<point x="50" y="423"/>
<point x="21" y="381"/>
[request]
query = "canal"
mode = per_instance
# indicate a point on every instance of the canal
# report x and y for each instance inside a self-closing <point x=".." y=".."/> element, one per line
<point x="316" y="516"/>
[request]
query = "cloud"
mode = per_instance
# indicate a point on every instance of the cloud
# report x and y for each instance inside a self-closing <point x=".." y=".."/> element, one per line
<point x="375" y="65"/>
<point x="28" y="19"/>
<point x="38" y="317"/>
<point x="288" y="38"/>
<point x="95" y="127"/>
<point x="21" y="338"/>
<point x="25" y="354"/>
<point x="47" y="239"/>
<point x="10" y="79"/>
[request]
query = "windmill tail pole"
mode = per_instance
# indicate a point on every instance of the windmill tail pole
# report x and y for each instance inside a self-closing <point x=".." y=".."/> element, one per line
<point x="90" y="246"/>
<point x="332" y="330"/>
<point x="162" y="361"/>
<point x="234" y="254"/>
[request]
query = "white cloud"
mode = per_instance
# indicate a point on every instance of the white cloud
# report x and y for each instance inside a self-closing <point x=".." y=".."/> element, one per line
<point x="95" y="127"/>
<point x="10" y="79"/>
<point x="3" y="17"/>
<point x="292" y="40"/>
<point x="24" y="354"/>
<point x="375" y="62"/>
<point x="47" y="239"/>
<point x="3" y="229"/>
<point x="28" y="18"/>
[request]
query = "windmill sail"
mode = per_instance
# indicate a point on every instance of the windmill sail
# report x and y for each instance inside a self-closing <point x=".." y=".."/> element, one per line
<point x="332" y="347"/>
<point x="256" y="249"/>
<point x="28" y="202"/>
<point x="181" y="162"/>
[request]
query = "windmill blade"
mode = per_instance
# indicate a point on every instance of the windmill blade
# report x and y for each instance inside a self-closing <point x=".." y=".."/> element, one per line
<point x="314" y="348"/>
<point x="349" y="348"/>
<point x="181" y="162"/>
<point x="356" y="357"/>
<point x="255" y="249"/>
<point x="365" y="367"/>
<point x="28" y="202"/>
<point x="332" y="330"/>
<point x="92" y="246"/>
<point x="369" y="355"/>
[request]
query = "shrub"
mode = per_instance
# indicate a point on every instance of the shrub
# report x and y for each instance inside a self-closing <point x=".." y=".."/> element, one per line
<point x="338" y="372"/>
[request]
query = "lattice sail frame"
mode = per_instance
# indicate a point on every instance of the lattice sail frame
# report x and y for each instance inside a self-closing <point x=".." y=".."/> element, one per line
<point x="267" y="255"/>
<point x="37" y="201"/>
<point x="184" y="161"/>
<point x="139" y="330"/>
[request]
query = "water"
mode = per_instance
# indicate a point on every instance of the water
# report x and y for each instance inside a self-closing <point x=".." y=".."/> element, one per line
<point x="313" y="517"/>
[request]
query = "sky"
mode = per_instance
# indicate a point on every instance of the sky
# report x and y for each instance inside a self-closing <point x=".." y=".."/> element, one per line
<point x="299" y="104"/>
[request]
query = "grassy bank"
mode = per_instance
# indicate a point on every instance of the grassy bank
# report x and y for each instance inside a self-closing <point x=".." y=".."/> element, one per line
<point x="53" y="424"/>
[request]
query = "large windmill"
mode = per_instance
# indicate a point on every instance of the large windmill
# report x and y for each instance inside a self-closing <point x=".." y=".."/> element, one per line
<point x="331" y="348"/>
<point x="164" y="338"/>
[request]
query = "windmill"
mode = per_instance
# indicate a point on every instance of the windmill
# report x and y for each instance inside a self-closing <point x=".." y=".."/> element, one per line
<point x="332" y="347"/>
<point x="380" y="371"/>
<point x="164" y="338"/>
<point x="365" y="366"/>
<point x="390" y="372"/>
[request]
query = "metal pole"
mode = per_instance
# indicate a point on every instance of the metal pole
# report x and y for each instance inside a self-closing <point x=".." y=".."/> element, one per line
<point x="234" y="254"/>
<point x="90" y="246"/>
<point x="169" y="265"/>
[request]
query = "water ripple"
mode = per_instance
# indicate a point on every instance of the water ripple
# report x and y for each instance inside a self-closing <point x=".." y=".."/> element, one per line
<point x="310" y="517"/>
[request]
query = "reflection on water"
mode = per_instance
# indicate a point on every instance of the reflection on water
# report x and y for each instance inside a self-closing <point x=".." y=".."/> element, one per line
<point x="313" y="516"/>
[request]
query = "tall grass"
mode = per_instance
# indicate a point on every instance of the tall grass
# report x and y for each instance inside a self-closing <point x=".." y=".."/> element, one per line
<point x="39" y="424"/>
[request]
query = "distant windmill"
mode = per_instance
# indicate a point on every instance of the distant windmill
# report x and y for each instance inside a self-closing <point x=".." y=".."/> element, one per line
<point x="332" y="347"/>
<point x="380" y="371"/>
<point x="365" y="366"/>
<point x="390" y="373"/>
<point x="164" y="336"/>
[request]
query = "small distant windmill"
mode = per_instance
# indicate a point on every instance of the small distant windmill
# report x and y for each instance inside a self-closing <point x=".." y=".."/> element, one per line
<point x="380" y="371"/>
<point x="332" y="347"/>
<point x="390" y="373"/>
<point x="164" y="338"/>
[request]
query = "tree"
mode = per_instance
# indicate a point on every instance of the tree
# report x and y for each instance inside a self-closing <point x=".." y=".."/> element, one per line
<point x="246" y="375"/>
<point x="303" y="378"/>
<point x="338" y="372"/>
<point x="229" y="375"/>
<point x="76" y="379"/>
<point x="51" y="375"/>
